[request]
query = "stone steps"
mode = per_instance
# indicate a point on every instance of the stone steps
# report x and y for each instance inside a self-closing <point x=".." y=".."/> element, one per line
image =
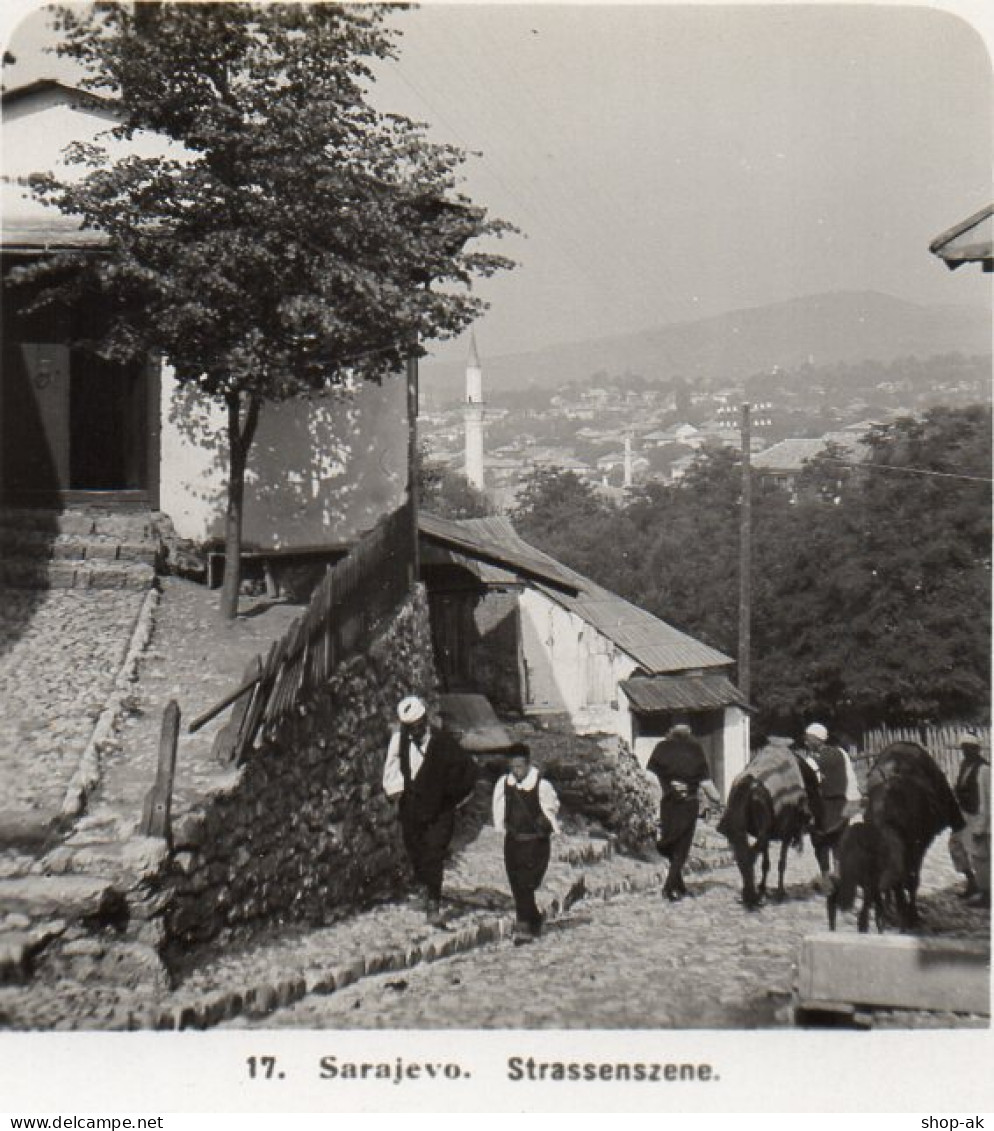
<point x="79" y="548"/>
<point x="24" y="573"/>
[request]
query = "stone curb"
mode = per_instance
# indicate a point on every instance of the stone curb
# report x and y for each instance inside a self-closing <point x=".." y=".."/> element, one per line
<point x="87" y="775"/>
<point x="263" y="999"/>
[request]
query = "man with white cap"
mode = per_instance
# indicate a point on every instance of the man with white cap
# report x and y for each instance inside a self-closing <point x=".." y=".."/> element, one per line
<point x="970" y="848"/>
<point x="835" y="778"/>
<point x="430" y="775"/>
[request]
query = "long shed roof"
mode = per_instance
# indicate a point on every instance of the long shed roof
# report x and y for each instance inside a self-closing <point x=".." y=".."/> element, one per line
<point x="970" y="241"/>
<point x="652" y="643"/>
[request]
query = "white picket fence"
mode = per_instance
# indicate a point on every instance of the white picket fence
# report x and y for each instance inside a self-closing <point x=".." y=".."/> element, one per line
<point x="942" y="742"/>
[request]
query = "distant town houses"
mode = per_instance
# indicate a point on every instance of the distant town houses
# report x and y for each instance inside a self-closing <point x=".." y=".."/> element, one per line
<point x="614" y="437"/>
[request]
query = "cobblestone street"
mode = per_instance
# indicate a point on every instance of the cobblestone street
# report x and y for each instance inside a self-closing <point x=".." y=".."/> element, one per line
<point x="634" y="962"/>
<point x="59" y="654"/>
<point x="618" y="957"/>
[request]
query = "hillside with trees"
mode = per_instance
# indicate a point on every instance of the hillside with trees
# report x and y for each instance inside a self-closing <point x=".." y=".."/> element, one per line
<point x="871" y="591"/>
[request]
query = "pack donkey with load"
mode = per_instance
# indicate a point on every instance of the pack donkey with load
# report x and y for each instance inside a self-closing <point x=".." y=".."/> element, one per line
<point x="908" y="803"/>
<point x="775" y="798"/>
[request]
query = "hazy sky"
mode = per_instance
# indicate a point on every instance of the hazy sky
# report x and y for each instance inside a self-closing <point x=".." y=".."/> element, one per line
<point x="668" y="161"/>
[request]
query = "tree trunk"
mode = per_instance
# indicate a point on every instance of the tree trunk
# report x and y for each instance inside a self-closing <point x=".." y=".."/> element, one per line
<point x="240" y="436"/>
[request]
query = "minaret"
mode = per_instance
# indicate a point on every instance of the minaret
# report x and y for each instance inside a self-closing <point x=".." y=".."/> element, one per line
<point x="629" y="477"/>
<point x="474" y="411"/>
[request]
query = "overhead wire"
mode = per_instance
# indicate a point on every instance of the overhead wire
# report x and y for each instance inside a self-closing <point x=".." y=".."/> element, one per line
<point x="907" y="470"/>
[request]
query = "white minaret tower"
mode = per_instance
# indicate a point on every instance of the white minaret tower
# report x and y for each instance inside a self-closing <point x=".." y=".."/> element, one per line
<point x="474" y="411"/>
<point x="629" y="477"/>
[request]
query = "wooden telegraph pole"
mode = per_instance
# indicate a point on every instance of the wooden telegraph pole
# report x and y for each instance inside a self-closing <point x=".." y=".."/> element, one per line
<point x="412" y="457"/>
<point x="745" y="557"/>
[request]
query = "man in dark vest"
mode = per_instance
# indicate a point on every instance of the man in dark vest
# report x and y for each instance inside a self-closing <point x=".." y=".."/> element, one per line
<point x="431" y="776"/>
<point x="832" y="767"/>
<point x="525" y="807"/>
<point x="970" y="848"/>
<point x="680" y="764"/>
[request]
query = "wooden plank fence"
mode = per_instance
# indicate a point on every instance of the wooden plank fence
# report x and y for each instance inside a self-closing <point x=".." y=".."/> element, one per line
<point x="356" y="595"/>
<point x="942" y="742"/>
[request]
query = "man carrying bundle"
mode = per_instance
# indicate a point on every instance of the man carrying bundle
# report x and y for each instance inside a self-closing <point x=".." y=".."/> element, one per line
<point x="682" y="767"/>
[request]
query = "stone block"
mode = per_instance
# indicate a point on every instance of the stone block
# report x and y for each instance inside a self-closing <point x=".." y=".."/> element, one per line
<point x="69" y="551"/>
<point x="105" y="578"/>
<point x="61" y="576"/>
<point x="101" y="551"/>
<point x="44" y="896"/>
<point x="143" y="856"/>
<point x="896" y="972"/>
<point x="144" y="552"/>
<point x="189" y="832"/>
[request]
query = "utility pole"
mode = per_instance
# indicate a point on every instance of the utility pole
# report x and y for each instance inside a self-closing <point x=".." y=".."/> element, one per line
<point x="745" y="557"/>
<point x="412" y="458"/>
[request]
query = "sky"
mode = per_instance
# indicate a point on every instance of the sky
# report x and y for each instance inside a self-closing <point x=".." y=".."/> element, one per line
<point x="668" y="162"/>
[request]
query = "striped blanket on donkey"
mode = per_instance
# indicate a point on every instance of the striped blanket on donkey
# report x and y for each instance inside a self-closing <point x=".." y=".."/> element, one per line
<point x="777" y="769"/>
<point x="768" y="801"/>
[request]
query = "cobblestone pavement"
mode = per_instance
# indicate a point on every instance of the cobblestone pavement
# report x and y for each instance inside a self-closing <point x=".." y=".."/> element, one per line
<point x="59" y="654"/>
<point x="476" y="894"/>
<point x="633" y="962"/>
<point x="195" y="658"/>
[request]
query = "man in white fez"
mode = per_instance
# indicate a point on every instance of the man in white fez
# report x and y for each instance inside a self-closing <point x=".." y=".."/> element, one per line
<point x="970" y="848"/>
<point x="430" y="775"/>
<point x="835" y="776"/>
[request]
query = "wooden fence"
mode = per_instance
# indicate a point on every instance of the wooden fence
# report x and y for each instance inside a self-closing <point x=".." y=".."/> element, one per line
<point x="942" y="742"/>
<point x="354" y="597"/>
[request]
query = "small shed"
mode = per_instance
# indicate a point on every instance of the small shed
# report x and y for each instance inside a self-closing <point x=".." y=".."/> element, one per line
<point x="512" y="623"/>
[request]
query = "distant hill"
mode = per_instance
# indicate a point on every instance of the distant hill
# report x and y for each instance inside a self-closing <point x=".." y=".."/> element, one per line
<point x="840" y="327"/>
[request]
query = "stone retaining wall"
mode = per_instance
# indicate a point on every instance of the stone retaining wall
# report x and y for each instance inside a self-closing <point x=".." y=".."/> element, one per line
<point x="301" y="831"/>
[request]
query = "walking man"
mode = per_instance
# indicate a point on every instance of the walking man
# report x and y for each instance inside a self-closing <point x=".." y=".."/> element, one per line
<point x="680" y="764"/>
<point x="834" y="786"/>
<point x="525" y="809"/>
<point x="430" y="775"/>
<point x="970" y="848"/>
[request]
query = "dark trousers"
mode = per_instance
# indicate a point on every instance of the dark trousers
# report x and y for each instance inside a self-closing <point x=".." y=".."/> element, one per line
<point x="426" y="843"/>
<point x="526" y="860"/>
<point x="678" y="819"/>
<point x="825" y="840"/>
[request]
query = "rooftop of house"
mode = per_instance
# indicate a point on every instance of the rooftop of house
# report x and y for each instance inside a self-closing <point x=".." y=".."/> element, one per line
<point x="654" y="645"/>
<point x="970" y="241"/>
<point x="788" y="455"/>
<point x="791" y="455"/>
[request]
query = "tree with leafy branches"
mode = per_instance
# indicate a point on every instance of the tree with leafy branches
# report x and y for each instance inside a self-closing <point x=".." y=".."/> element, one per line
<point x="297" y="240"/>
<point x="447" y="493"/>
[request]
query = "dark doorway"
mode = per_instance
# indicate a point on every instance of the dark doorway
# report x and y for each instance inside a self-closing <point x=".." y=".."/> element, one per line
<point x="107" y="431"/>
<point x="74" y="429"/>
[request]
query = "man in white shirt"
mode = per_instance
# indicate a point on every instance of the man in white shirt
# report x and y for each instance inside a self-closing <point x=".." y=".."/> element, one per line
<point x="430" y="775"/>
<point x="526" y="810"/>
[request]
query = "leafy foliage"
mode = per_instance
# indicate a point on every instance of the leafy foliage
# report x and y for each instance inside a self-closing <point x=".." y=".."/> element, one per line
<point x="286" y="243"/>
<point x="448" y="494"/>
<point x="870" y="592"/>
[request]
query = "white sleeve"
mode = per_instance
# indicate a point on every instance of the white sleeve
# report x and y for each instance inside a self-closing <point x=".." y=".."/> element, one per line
<point x="549" y="802"/>
<point x="393" y="778"/>
<point x="498" y="804"/>
<point x="852" y="782"/>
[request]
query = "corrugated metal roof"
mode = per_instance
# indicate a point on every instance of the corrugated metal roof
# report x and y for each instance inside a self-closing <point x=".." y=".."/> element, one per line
<point x="681" y="693"/>
<point x="652" y="643"/>
<point x="971" y="241"/>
